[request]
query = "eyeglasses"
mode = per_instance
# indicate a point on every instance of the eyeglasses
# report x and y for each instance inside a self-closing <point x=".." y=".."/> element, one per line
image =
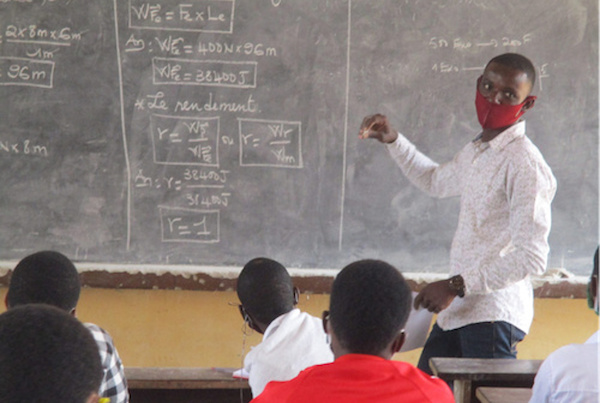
<point x="243" y="312"/>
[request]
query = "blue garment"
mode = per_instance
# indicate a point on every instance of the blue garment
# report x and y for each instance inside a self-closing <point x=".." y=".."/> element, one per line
<point x="479" y="340"/>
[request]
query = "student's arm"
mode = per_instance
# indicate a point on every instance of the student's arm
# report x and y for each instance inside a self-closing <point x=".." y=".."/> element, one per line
<point x="543" y="385"/>
<point x="114" y="383"/>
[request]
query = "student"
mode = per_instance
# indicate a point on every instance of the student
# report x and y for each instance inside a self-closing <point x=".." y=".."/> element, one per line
<point x="47" y="356"/>
<point x="505" y="189"/>
<point x="369" y="305"/>
<point x="293" y="340"/>
<point x="49" y="277"/>
<point x="570" y="374"/>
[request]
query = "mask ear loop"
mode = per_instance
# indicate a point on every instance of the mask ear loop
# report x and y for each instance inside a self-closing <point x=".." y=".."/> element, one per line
<point x="245" y="333"/>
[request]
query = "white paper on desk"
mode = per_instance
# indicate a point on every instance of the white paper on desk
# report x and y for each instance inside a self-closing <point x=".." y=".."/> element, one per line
<point x="417" y="328"/>
<point x="241" y="373"/>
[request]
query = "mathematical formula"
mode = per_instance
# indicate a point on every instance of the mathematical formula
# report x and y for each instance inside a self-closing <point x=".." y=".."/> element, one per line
<point x="204" y="72"/>
<point x="201" y="16"/>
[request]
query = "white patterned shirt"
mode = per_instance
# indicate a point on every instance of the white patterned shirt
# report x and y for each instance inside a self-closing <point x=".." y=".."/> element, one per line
<point x="506" y="189"/>
<point x="114" y="384"/>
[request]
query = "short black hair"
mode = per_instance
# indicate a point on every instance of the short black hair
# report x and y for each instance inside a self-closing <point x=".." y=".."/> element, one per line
<point x="517" y="62"/>
<point x="46" y="356"/>
<point x="369" y="304"/>
<point x="46" y="277"/>
<point x="265" y="289"/>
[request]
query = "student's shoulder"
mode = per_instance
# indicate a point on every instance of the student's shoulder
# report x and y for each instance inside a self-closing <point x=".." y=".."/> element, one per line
<point x="97" y="331"/>
<point x="282" y="391"/>
<point x="103" y="338"/>
<point x="433" y="388"/>
<point x="573" y="353"/>
<point x="304" y="320"/>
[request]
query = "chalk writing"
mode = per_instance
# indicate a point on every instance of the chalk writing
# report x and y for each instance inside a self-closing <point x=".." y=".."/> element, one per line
<point x="134" y="44"/>
<point x="212" y="105"/>
<point x="437" y="42"/>
<point x="189" y="225"/>
<point x="41" y="53"/>
<point x="247" y="49"/>
<point x="445" y="67"/>
<point x="195" y="175"/>
<point x="543" y="73"/>
<point x="201" y="16"/>
<point x="195" y="200"/>
<point x="41" y="36"/>
<point x="24" y="148"/>
<point x="178" y="46"/>
<point x="270" y="143"/>
<point x="26" y="72"/>
<point x="182" y="140"/>
<point x="204" y="72"/>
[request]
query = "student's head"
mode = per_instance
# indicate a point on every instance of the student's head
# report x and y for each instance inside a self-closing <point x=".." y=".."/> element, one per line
<point x="46" y="277"/>
<point x="503" y="90"/>
<point x="266" y="292"/>
<point x="369" y="306"/>
<point x="593" y="299"/>
<point x="47" y="356"/>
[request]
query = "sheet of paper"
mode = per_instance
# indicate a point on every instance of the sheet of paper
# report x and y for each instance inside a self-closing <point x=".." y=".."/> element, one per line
<point x="417" y="328"/>
<point x="241" y="373"/>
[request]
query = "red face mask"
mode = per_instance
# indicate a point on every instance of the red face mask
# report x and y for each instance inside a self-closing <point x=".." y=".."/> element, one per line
<point x="495" y="116"/>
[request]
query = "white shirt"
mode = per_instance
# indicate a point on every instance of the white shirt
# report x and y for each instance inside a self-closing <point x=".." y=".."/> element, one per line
<point x="291" y="343"/>
<point x="505" y="190"/>
<point x="569" y="375"/>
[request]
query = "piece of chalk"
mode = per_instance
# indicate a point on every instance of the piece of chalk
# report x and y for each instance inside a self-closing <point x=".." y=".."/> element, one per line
<point x="367" y="130"/>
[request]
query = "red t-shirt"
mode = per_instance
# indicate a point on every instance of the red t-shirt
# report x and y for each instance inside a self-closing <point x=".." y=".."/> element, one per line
<point x="359" y="378"/>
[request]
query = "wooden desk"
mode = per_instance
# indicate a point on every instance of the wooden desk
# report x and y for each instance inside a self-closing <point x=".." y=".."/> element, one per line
<point x="469" y="373"/>
<point x="185" y="385"/>
<point x="487" y="394"/>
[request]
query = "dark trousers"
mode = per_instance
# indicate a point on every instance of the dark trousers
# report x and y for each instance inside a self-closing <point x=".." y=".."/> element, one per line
<point x="479" y="340"/>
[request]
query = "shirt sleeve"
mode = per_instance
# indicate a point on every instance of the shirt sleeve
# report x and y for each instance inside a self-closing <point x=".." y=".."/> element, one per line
<point x="543" y="385"/>
<point x="263" y="370"/>
<point x="438" y="180"/>
<point x="530" y="188"/>
<point x="114" y="384"/>
<point x="258" y="374"/>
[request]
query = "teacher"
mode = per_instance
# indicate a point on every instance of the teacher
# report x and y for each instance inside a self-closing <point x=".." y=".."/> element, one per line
<point x="506" y="188"/>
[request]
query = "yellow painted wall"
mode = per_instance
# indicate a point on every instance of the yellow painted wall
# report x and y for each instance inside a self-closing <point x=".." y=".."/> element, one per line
<point x="171" y="328"/>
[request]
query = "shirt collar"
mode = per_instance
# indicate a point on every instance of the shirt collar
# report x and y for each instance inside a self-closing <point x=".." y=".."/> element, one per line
<point x="595" y="339"/>
<point x="359" y="357"/>
<point x="504" y="138"/>
<point x="274" y="325"/>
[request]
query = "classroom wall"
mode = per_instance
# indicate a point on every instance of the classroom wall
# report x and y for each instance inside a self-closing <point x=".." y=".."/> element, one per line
<point x="172" y="328"/>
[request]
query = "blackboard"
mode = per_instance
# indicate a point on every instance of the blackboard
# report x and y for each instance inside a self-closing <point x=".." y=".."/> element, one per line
<point x="208" y="132"/>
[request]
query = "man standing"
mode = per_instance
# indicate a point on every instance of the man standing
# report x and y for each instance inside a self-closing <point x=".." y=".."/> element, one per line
<point x="506" y="189"/>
